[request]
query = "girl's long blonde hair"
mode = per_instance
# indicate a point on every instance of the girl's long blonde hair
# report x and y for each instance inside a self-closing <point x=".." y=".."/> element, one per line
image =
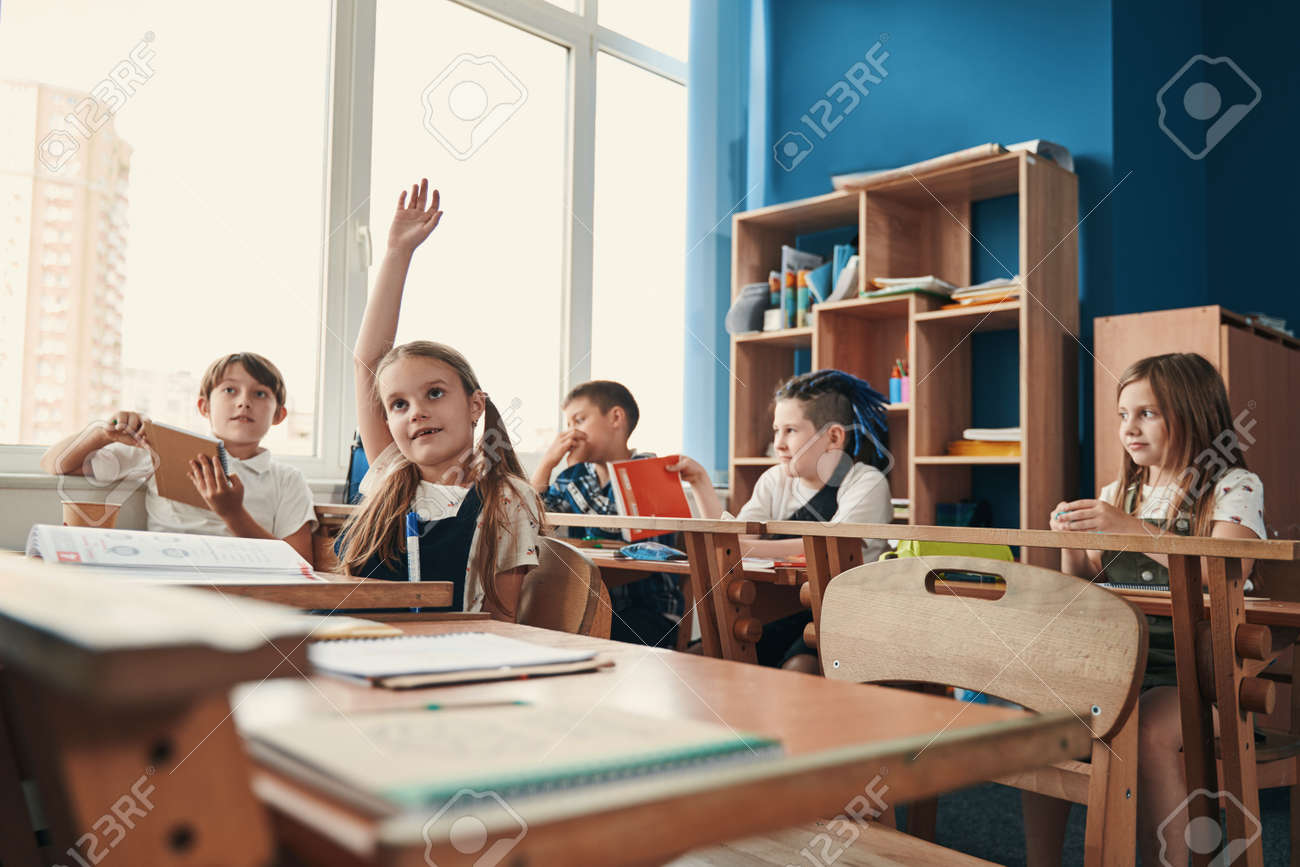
<point x="378" y="527"/>
<point x="1194" y="403"/>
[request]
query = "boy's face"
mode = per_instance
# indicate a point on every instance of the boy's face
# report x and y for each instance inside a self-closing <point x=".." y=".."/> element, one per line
<point x="799" y="445"/>
<point x="1143" y="430"/>
<point x="240" y="409"/>
<point x="429" y="415"/>
<point x="605" y="432"/>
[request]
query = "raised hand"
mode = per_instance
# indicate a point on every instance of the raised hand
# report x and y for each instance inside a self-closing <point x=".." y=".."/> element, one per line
<point x="413" y="222"/>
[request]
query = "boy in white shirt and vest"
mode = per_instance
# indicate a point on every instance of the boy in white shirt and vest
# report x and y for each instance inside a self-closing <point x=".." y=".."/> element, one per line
<point x="241" y="395"/>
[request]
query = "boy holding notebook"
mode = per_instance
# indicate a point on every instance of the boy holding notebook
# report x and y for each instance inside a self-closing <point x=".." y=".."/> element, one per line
<point x="242" y="395"/>
<point x="601" y="416"/>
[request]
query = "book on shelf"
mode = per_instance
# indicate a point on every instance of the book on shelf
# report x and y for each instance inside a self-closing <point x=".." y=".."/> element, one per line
<point x="425" y="758"/>
<point x="983" y="449"/>
<point x="646" y="488"/>
<point x="928" y="283"/>
<point x="174" y="557"/>
<point x="845" y="280"/>
<point x="992" y="434"/>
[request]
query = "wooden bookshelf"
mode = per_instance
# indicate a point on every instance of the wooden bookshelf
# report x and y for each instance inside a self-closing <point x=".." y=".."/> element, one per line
<point x="911" y="227"/>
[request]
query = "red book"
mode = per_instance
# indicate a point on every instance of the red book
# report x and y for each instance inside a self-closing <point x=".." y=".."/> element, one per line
<point x="645" y="488"/>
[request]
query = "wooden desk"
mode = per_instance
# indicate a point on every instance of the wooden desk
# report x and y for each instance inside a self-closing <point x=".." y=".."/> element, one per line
<point x="839" y="738"/>
<point x="717" y="578"/>
<point x="1217" y="631"/>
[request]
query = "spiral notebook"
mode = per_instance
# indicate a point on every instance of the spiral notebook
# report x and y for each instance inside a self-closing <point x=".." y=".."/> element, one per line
<point x="419" y="759"/>
<point x="456" y="657"/>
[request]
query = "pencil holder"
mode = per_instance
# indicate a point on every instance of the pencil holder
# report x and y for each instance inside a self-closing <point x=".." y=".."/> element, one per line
<point x="905" y="390"/>
<point x="895" y="389"/>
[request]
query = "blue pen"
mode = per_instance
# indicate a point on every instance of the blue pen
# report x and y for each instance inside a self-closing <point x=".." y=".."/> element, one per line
<point x="412" y="546"/>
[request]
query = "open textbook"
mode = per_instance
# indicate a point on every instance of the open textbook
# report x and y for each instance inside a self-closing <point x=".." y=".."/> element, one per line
<point x="171" y="556"/>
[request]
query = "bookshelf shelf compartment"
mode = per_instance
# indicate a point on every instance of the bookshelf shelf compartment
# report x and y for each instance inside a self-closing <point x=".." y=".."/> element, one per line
<point x="798" y="338"/>
<point x="967" y="460"/>
<point x="1003" y="316"/>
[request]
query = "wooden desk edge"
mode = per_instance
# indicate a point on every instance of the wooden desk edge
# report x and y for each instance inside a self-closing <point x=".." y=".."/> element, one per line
<point x="1260" y="549"/>
<point x="735" y="802"/>
<point x="668" y="525"/>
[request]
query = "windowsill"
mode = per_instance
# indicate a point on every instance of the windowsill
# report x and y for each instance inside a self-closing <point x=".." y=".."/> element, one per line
<point x="323" y="490"/>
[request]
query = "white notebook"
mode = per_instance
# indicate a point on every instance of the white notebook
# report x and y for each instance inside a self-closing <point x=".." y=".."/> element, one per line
<point x="424" y="660"/>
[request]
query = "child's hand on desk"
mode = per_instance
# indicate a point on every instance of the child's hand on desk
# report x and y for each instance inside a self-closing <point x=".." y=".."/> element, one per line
<point x="223" y="494"/>
<point x="1094" y="516"/>
<point x="413" y="222"/>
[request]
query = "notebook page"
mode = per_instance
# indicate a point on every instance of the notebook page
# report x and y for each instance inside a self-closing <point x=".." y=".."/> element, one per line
<point x="434" y="654"/>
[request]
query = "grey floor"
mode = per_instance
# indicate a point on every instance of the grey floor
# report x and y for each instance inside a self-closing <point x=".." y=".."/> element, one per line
<point x="985" y="821"/>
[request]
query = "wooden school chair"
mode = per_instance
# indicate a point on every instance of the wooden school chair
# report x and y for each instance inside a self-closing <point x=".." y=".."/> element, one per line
<point x="1081" y="646"/>
<point x="330" y="518"/>
<point x="565" y="592"/>
<point x="1050" y="640"/>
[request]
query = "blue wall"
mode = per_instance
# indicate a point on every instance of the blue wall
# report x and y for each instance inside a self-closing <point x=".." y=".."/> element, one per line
<point x="1159" y="229"/>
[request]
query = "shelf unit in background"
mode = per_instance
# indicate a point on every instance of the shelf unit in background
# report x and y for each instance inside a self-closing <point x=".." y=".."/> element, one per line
<point x="910" y="227"/>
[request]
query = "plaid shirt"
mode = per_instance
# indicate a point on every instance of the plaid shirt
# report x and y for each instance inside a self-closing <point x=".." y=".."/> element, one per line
<point x="577" y="490"/>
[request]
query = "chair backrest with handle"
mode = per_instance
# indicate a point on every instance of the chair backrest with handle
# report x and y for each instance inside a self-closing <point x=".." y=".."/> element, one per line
<point x="565" y="592"/>
<point x="1049" y="639"/>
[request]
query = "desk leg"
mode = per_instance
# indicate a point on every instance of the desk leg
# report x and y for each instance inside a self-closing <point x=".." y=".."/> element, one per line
<point x="697" y="552"/>
<point x="1236" y="725"/>
<point x="738" y="631"/>
<point x="1198" y="723"/>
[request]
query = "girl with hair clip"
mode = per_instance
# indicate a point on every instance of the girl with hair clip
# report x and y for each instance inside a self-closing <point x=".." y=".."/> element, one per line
<point x="473" y="512"/>
<point x="1183" y="472"/>
<point x="831" y="439"/>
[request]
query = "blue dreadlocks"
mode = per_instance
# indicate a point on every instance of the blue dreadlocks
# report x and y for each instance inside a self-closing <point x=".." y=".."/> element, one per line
<point x="865" y="418"/>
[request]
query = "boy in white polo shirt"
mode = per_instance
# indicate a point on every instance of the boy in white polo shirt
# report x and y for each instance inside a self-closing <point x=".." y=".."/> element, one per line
<point x="242" y="395"/>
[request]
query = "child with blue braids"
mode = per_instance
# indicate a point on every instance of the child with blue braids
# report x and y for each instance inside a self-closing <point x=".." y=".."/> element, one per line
<point x="831" y="439"/>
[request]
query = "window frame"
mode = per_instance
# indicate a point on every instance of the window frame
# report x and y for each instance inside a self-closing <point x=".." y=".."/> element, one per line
<point x="351" y="237"/>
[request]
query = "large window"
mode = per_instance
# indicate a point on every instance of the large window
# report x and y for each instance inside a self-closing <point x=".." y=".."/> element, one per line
<point x="483" y="117"/>
<point x="177" y="183"/>
<point x="163" y="204"/>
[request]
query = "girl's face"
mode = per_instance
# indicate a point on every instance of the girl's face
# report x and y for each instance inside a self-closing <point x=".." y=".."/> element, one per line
<point x="799" y="445"/>
<point x="1143" y="430"/>
<point x="429" y="415"/>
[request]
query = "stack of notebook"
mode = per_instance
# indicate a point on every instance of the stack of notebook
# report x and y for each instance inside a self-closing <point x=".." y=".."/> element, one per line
<point x="990" y="292"/>
<point x="987" y="442"/>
